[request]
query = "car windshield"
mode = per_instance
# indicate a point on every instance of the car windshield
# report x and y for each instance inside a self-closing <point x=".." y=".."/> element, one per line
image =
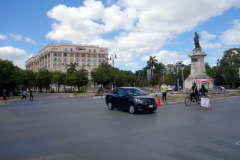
<point x="136" y="92"/>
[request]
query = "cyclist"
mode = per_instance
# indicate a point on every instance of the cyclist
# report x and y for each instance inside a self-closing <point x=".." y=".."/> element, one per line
<point x="100" y="91"/>
<point x="194" y="93"/>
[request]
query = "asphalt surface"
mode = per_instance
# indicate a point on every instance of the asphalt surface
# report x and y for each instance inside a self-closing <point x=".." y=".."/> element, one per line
<point x="54" y="126"/>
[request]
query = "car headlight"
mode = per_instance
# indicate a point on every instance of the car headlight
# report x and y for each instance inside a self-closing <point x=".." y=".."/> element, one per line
<point x="139" y="101"/>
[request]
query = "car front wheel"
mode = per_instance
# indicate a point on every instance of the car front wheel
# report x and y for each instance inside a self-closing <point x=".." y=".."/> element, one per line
<point x="132" y="109"/>
<point x="110" y="106"/>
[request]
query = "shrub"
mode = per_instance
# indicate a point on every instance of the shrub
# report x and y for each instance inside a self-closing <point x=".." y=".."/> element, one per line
<point x="84" y="89"/>
<point x="51" y="91"/>
<point x="40" y="91"/>
<point x="75" y="93"/>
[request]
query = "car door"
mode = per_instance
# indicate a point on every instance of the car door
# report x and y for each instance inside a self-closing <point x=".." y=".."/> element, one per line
<point x="123" y="98"/>
<point x="115" y="97"/>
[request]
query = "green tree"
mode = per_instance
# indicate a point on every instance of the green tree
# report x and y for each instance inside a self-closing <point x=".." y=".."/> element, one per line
<point x="106" y="70"/>
<point x="152" y="61"/>
<point x="79" y="79"/>
<point x="72" y="68"/>
<point x="229" y="65"/>
<point x="59" y="78"/>
<point x="43" y="78"/>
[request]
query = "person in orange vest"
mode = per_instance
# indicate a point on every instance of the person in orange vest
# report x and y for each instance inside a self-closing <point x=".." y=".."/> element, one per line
<point x="164" y="92"/>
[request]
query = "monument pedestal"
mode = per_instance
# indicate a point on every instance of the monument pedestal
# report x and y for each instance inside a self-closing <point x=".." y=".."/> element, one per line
<point x="198" y="70"/>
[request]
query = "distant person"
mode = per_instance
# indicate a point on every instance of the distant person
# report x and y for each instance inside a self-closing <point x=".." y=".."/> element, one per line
<point x="24" y="95"/>
<point x="31" y="95"/>
<point x="180" y="88"/>
<point x="202" y="91"/>
<point x="100" y="90"/>
<point x="164" y="92"/>
<point x="174" y="87"/>
<point x="194" y="91"/>
<point x="4" y="95"/>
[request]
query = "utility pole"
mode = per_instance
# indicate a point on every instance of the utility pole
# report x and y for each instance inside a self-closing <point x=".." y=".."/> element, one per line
<point x="112" y="57"/>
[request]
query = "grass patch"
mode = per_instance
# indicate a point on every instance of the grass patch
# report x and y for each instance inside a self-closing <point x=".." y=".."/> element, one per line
<point x="78" y="94"/>
<point x="172" y="98"/>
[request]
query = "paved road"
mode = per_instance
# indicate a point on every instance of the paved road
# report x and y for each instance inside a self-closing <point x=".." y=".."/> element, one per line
<point x="58" y="127"/>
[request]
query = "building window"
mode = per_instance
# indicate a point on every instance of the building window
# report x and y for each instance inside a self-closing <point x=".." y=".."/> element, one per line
<point x="77" y="64"/>
<point x="59" y="63"/>
<point x="89" y="59"/>
<point x="83" y="55"/>
<point x="89" y="55"/>
<point x="94" y="64"/>
<point x="65" y="59"/>
<point x="83" y="64"/>
<point x="94" y="59"/>
<point x="99" y="60"/>
<point x="59" y="54"/>
<point x="83" y="59"/>
<point x="59" y="59"/>
<point x="71" y="54"/>
<point x="59" y="67"/>
<point x="77" y="60"/>
<point x="103" y="56"/>
<point x="94" y="50"/>
<point x="65" y="63"/>
<point x="103" y="60"/>
<point x="65" y="54"/>
<point x="77" y="67"/>
<point x="55" y="68"/>
<point x="65" y="67"/>
<point x="65" y="49"/>
<point x="71" y="49"/>
<point x="55" y="54"/>
<point x="94" y="55"/>
<point x="77" y="55"/>
<point x="99" y="64"/>
<point x="89" y="50"/>
<point x="55" y="63"/>
<point x="102" y="50"/>
<point x="71" y="59"/>
<point x="99" y="56"/>
<point x="55" y="59"/>
<point x="54" y="48"/>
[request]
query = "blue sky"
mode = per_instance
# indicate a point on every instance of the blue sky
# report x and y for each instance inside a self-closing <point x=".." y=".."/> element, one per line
<point x="132" y="29"/>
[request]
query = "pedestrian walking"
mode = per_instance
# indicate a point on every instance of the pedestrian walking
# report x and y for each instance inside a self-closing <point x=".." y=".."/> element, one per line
<point x="164" y="92"/>
<point x="180" y="88"/>
<point x="24" y="95"/>
<point x="4" y="95"/>
<point x="31" y="95"/>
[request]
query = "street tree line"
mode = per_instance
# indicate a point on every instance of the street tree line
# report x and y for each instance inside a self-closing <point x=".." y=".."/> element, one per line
<point x="13" y="77"/>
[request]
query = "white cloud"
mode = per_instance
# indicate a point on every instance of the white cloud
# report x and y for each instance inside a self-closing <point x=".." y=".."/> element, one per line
<point x="166" y="56"/>
<point x="144" y="26"/>
<point x="109" y="2"/>
<point x="206" y="37"/>
<point x="2" y="37"/>
<point x="17" y="37"/>
<point x="18" y="56"/>
<point x="232" y="36"/>
<point x="30" y="40"/>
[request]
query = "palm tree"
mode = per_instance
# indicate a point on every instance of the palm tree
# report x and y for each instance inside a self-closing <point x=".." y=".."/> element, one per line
<point x="152" y="61"/>
<point x="72" y="68"/>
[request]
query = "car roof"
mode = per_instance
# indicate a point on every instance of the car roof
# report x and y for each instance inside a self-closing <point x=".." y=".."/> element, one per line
<point x="127" y="87"/>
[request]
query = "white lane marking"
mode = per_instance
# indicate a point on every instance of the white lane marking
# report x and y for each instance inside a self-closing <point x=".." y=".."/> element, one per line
<point x="238" y="143"/>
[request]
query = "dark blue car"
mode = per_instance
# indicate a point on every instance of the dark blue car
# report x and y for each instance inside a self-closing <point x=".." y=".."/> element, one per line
<point x="130" y="98"/>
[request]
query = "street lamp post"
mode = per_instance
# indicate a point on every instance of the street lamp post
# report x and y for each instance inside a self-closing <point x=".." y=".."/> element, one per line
<point x="126" y="77"/>
<point x="112" y="57"/>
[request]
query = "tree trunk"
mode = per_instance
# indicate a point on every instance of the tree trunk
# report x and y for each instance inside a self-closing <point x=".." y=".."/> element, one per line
<point x="78" y="89"/>
<point x="58" y="87"/>
<point x="233" y="83"/>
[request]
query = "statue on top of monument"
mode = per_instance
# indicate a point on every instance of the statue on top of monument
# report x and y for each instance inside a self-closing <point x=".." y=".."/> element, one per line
<point x="196" y="41"/>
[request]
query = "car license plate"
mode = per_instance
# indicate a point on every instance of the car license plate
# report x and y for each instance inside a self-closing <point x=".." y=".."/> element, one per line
<point x="150" y="106"/>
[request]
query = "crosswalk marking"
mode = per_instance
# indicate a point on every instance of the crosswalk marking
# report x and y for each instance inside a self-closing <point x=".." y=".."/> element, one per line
<point x="215" y="153"/>
<point x="182" y="156"/>
<point x="226" y="144"/>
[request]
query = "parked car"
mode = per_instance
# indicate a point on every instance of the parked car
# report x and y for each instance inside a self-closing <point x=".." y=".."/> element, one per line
<point x="131" y="99"/>
<point x="220" y="87"/>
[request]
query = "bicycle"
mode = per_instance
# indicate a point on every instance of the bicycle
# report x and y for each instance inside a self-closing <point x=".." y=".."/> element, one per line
<point x="188" y="99"/>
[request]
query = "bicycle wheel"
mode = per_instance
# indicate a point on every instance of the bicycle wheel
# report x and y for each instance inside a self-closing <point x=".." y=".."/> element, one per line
<point x="187" y="101"/>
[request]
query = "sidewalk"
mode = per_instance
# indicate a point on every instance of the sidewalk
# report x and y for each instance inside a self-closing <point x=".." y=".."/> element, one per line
<point x="9" y="99"/>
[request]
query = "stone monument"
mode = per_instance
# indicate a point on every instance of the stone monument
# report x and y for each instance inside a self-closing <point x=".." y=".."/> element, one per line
<point x="198" y="70"/>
